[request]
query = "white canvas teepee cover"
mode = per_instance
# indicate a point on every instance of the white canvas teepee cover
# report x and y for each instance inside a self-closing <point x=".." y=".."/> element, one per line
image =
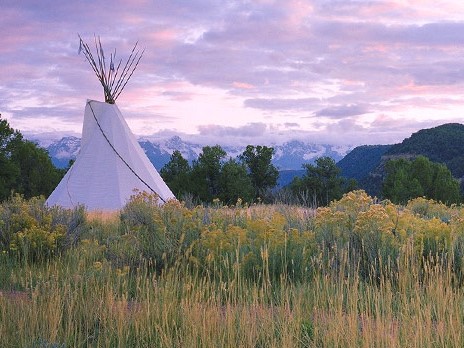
<point x="110" y="165"/>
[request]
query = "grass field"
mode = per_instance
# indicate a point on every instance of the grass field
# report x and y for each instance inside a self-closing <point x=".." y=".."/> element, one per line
<point x="359" y="273"/>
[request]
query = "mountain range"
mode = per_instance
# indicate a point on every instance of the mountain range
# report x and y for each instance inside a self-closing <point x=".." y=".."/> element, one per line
<point x="288" y="156"/>
<point x="442" y="144"/>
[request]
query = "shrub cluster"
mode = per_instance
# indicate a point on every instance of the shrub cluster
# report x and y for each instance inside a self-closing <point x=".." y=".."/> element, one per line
<point x="258" y="242"/>
<point x="34" y="232"/>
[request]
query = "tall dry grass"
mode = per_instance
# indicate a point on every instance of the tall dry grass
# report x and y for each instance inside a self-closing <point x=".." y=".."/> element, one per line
<point x="68" y="303"/>
<point x="108" y="291"/>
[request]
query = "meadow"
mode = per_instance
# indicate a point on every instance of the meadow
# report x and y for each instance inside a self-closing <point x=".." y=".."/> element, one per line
<point x="358" y="273"/>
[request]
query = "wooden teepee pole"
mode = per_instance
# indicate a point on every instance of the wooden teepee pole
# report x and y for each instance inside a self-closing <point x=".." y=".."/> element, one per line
<point x="112" y="79"/>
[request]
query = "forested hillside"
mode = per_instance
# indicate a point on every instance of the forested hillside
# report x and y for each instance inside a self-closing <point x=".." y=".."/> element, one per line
<point x="442" y="144"/>
<point x="362" y="160"/>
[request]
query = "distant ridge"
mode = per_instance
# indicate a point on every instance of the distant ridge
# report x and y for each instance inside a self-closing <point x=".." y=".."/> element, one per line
<point x="442" y="144"/>
<point x="362" y="160"/>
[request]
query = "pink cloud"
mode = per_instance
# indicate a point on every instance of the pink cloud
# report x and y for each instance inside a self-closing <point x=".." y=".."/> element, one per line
<point x="163" y="35"/>
<point x="242" y="85"/>
<point x="279" y="62"/>
<point x="298" y="12"/>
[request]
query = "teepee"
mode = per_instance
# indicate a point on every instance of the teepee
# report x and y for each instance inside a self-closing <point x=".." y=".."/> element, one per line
<point x="111" y="166"/>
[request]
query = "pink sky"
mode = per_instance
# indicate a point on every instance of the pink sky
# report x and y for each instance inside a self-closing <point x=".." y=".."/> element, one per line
<point x="228" y="72"/>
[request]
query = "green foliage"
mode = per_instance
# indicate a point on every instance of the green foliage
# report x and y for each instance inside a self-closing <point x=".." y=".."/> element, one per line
<point x="262" y="172"/>
<point x="409" y="179"/>
<point x="38" y="175"/>
<point x="34" y="232"/>
<point x="24" y="167"/>
<point x="234" y="183"/>
<point x="442" y="144"/>
<point x="177" y="174"/>
<point x="362" y="160"/>
<point x="206" y="172"/>
<point x="9" y="170"/>
<point x="322" y="182"/>
<point x="211" y="177"/>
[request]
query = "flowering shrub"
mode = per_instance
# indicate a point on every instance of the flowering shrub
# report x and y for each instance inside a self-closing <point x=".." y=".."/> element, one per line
<point x="160" y="234"/>
<point x="36" y="242"/>
<point x="377" y="246"/>
<point x="259" y="242"/>
<point x="263" y="248"/>
<point x="432" y="237"/>
<point x="428" y="209"/>
<point x="33" y="231"/>
<point x="270" y="242"/>
<point x="336" y="223"/>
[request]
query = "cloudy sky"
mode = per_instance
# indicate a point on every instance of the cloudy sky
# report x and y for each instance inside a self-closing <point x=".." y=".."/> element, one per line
<point x="257" y="71"/>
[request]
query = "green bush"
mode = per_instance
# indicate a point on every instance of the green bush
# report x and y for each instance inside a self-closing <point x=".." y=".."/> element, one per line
<point x="33" y="231"/>
<point x="158" y="234"/>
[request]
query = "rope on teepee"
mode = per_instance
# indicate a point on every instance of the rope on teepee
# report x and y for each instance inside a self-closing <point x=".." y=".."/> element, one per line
<point x="67" y="186"/>
<point x="120" y="157"/>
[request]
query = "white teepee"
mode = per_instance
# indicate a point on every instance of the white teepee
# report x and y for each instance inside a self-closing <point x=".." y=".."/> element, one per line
<point x="111" y="166"/>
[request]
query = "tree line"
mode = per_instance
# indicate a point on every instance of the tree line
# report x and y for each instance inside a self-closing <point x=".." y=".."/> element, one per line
<point x="249" y="177"/>
<point x="421" y="177"/>
<point x="27" y="169"/>
<point x="252" y="177"/>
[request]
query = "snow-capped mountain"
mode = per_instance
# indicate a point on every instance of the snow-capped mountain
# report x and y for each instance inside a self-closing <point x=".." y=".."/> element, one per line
<point x="63" y="150"/>
<point x="288" y="156"/>
<point x="291" y="155"/>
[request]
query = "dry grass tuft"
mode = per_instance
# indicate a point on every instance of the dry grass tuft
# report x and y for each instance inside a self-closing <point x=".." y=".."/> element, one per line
<point x="102" y="216"/>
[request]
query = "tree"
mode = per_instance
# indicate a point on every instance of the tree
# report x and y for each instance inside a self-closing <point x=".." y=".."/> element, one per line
<point x="422" y="171"/>
<point x="234" y="183"/>
<point x="262" y="172"/>
<point x="209" y="177"/>
<point x="206" y="172"/>
<point x="321" y="181"/>
<point x="24" y="167"/>
<point x="176" y="174"/>
<point x="409" y="179"/>
<point x="37" y="174"/>
<point x="9" y="170"/>
<point x="445" y="188"/>
<point x="400" y="185"/>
